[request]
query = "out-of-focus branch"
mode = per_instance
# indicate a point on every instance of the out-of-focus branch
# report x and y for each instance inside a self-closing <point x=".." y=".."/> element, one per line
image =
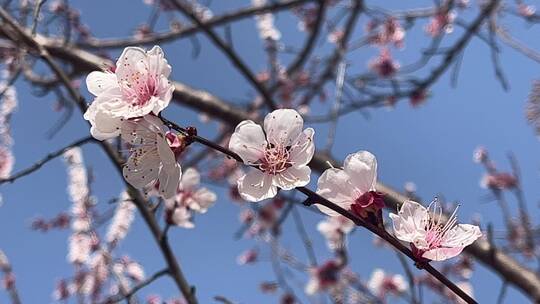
<point x="310" y="42"/>
<point x="226" y="18"/>
<point x="517" y="45"/>
<point x="339" y="52"/>
<point x="448" y="59"/>
<point x="137" y="287"/>
<point x="227" y="50"/>
<point x="45" y="160"/>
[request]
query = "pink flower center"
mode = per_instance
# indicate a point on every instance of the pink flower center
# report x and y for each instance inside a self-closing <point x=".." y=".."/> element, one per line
<point x="140" y="88"/>
<point x="435" y="229"/>
<point x="275" y="159"/>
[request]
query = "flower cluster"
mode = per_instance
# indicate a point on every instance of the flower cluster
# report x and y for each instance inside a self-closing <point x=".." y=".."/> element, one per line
<point x="334" y="229"/>
<point x="189" y="197"/>
<point x="127" y="99"/>
<point x="440" y="23"/>
<point x="382" y="284"/>
<point x="82" y="238"/>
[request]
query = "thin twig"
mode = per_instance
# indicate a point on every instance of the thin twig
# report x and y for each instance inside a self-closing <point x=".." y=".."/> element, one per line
<point x="45" y="160"/>
<point x="137" y="287"/>
<point x="229" y="52"/>
<point x="37" y="9"/>
<point x="308" y="245"/>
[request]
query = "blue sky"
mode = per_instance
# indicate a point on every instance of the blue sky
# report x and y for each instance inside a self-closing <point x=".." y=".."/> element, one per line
<point x="431" y="145"/>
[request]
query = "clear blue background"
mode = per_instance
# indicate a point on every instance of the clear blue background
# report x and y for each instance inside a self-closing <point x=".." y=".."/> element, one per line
<point x="431" y="145"/>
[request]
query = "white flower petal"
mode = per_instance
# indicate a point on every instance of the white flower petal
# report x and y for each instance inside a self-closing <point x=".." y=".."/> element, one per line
<point x="312" y="287"/>
<point x="283" y="126"/>
<point x="443" y="253"/>
<point x="131" y="62"/>
<point x="182" y="217"/>
<point x="104" y="126"/>
<point x="461" y="235"/>
<point x="362" y="169"/>
<point x="256" y="186"/>
<point x="141" y="176"/>
<point x="248" y="141"/>
<point x="303" y="148"/>
<point x="376" y="281"/>
<point x="334" y="185"/>
<point x="157" y="64"/>
<point x="168" y="181"/>
<point x="190" y="179"/>
<point x="98" y="82"/>
<point x="201" y="200"/>
<point x="292" y="177"/>
<point x="166" y="155"/>
<point x="409" y="223"/>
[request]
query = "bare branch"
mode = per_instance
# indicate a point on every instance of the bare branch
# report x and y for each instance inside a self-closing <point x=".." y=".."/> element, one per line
<point x="45" y="160"/>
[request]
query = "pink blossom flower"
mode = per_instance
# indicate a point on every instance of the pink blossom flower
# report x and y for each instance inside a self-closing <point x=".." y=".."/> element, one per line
<point x="418" y="97"/>
<point x="6" y="162"/>
<point x="384" y="65"/>
<point x="526" y="10"/>
<point x="429" y="236"/>
<point x="323" y="277"/>
<point x="382" y="284"/>
<point x="190" y="195"/>
<point x="268" y="287"/>
<point x="138" y="86"/>
<point x="480" y="155"/>
<point x="334" y="229"/>
<point x="499" y="181"/>
<point x="152" y="161"/>
<point x="353" y="187"/>
<point x="280" y="153"/>
<point x="80" y="246"/>
<point x="189" y="198"/>
<point x="386" y="32"/>
<point x="179" y="216"/>
<point x="265" y="23"/>
<point x="441" y="22"/>
<point x="247" y="257"/>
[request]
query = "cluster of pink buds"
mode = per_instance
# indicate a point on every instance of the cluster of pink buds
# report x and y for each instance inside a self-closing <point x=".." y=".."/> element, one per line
<point x="440" y="23"/>
<point x="61" y="221"/>
<point x="385" y="32"/>
<point x="526" y="10"/>
<point x="384" y="65"/>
